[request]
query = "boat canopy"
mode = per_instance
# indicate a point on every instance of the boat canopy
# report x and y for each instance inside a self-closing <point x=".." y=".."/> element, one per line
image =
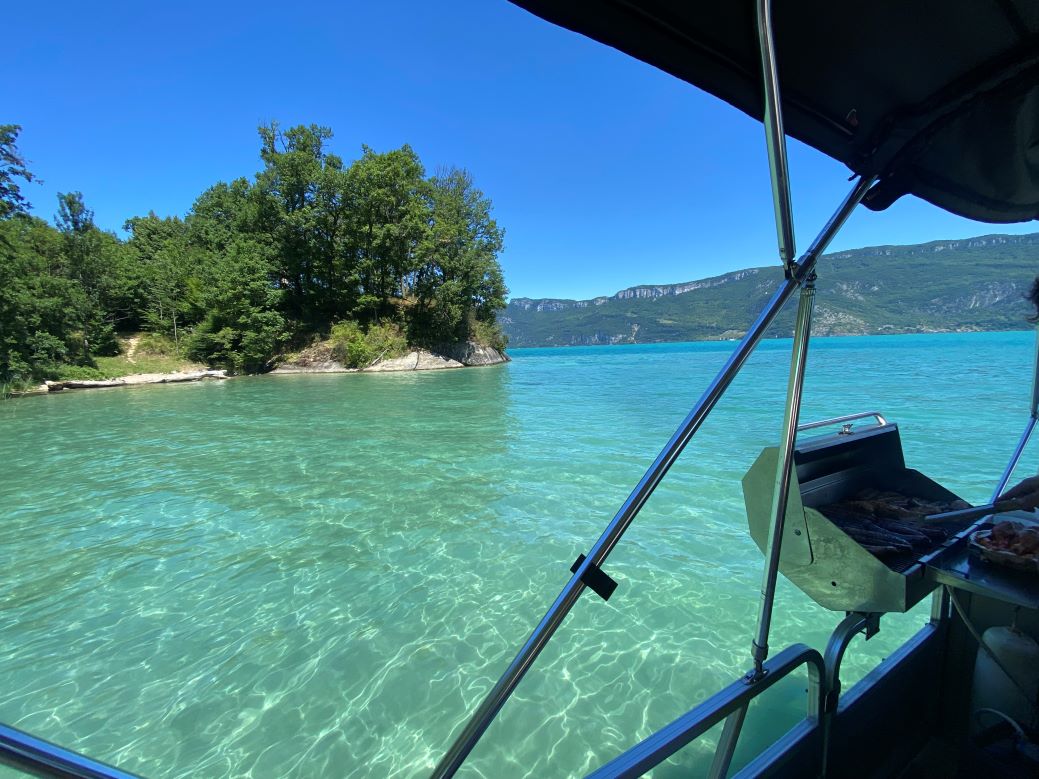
<point x="937" y="99"/>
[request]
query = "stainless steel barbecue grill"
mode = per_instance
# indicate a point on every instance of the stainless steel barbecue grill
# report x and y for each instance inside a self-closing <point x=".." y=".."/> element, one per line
<point x="840" y="560"/>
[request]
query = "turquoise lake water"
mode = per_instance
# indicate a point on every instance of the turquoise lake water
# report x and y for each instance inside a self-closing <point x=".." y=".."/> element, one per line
<point x="296" y="576"/>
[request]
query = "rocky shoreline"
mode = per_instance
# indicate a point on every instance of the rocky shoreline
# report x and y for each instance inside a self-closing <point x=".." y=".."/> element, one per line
<point x="461" y="355"/>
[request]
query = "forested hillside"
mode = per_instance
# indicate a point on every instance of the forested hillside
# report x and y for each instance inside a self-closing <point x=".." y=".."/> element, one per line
<point x="374" y="250"/>
<point x="973" y="284"/>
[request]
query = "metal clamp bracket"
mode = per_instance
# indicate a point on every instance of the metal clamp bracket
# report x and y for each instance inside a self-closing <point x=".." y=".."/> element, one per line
<point x="595" y="578"/>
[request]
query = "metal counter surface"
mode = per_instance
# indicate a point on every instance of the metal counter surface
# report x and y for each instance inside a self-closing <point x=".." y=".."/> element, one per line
<point x="956" y="567"/>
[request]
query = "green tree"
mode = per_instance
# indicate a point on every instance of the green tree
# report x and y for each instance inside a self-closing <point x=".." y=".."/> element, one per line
<point x="459" y="286"/>
<point x="41" y="311"/>
<point x="390" y="219"/>
<point x="12" y="166"/>
<point x="242" y="328"/>
<point x="302" y="200"/>
<point x="167" y="265"/>
<point x="99" y="262"/>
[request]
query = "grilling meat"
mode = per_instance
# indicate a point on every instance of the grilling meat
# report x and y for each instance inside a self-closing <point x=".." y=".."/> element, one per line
<point x="1013" y="537"/>
<point x="888" y="523"/>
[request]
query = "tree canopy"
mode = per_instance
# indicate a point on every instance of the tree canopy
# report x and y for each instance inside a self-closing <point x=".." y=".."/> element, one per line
<point x="12" y="166"/>
<point x="257" y="265"/>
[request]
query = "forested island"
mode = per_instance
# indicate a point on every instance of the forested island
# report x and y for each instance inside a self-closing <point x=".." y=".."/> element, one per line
<point x="372" y="257"/>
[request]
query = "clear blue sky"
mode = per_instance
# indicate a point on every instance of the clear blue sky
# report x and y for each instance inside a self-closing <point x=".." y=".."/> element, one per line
<point x="604" y="172"/>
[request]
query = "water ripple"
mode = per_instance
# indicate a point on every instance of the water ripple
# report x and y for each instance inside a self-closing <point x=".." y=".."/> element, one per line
<point x="322" y="575"/>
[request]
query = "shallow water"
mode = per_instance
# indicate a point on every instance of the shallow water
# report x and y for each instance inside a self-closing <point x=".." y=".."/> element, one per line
<point x="295" y="576"/>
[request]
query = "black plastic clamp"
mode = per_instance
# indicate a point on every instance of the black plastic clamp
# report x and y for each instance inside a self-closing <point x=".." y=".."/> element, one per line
<point x="597" y="580"/>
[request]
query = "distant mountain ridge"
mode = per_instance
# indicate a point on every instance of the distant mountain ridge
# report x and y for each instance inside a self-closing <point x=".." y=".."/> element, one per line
<point x="959" y="285"/>
<point x="640" y="292"/>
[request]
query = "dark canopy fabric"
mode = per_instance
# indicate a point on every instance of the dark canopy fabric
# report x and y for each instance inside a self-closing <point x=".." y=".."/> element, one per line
<point x="940" y="98"/>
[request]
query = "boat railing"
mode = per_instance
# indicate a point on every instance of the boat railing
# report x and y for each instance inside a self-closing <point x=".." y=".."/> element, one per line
<point x="730" y="705"/>
<point x="844" y="421"/>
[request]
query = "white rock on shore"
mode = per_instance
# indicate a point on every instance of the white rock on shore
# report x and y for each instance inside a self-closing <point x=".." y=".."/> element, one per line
<point x="419" y="360"/>
<point x="135" y="379"/>
<point x="459" y="355"/>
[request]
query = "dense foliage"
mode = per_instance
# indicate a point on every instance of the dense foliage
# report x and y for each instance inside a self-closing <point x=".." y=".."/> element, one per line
<point x="971" y="284"/>
<point x="375" y="248"/>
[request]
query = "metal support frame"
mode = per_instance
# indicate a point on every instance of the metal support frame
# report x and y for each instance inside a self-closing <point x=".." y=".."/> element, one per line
<point x="775" y="138"/>
<point x="495" y="699"/>
<point x="726" y="748"/>
<point x="785" y="463"/>
<point x="780" y="495"/>
<point x="941" y="608"/>
<point x="726" y="703"/>
<point x="853" y="624"/>
<point x="1033" y="417"/>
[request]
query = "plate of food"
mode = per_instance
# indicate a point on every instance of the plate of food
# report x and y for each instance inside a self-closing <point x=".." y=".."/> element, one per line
<point x="1009" y="543"/>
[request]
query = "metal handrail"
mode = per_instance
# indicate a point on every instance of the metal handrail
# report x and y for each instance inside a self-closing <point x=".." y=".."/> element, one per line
<point x="546" y="628"/>
<point x="32" y="754"/>
<point x="671" y="738"/>
<point x="881" y="420"/>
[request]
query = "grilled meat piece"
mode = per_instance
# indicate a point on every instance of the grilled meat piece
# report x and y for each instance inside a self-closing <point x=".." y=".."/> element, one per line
<point x="880" y="551"/>
<point x="870" y="538"/>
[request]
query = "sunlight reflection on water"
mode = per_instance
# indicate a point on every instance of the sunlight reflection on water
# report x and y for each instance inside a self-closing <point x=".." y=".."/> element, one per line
<point x="322" y="575"/>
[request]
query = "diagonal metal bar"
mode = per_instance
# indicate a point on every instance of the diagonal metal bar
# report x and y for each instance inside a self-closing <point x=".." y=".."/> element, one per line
<point x="726" y="748"/>
<point x="557" y="612"/>
<point x="1033" y="417"/>
<point x="41" y="758"/>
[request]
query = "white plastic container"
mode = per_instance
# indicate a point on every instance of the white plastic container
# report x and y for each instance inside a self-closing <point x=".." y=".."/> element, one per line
<point x="1019" y="653"/>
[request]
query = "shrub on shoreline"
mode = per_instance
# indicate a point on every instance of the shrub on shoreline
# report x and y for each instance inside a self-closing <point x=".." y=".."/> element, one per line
<point x="356" y="348"/>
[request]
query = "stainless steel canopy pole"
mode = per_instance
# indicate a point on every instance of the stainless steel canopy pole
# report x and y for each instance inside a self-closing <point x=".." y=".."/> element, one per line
<point x="1033" y="417"/>
<point x="501" y="691"/>
<point x="781" y="489"/>
<point x="775" y="138"/>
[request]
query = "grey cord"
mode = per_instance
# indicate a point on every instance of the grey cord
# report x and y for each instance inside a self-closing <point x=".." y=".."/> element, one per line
<point x="1009" y="720"/>
<point x="988" y="650"/>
